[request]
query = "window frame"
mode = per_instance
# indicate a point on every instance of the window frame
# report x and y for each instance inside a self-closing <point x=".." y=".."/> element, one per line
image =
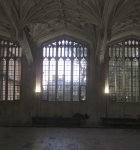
<point x="15" y="57"/>
<point x="65" y="58"/>
<point x="124" y="58"/>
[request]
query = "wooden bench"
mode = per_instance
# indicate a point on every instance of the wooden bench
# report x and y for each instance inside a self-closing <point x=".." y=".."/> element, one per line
<point x="56" y="121"/>
<point x="126" y="122"/>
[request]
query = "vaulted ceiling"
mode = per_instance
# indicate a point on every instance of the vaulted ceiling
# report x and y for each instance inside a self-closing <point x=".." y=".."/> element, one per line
<point x="99" y="21"/>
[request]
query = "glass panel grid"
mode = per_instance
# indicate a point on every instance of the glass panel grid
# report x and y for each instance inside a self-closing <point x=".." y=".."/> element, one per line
<point x="2" y="79"/>
<point x="62" y="65"/>
<point x="119" y="80"/>
<point x="112" y="79"/>
<point x="11" y="79"/>
<point x="12" y="74"/>
<point x="83" y="72"/>
<point x="45" y="78"/>
<point x="76" y="80"/>
<point x="128" y="82"/>
<point x="131" y="64"/>
<point x="83" y="93"/>
<point x="52" y="80"/>
<point x="135" y="80"/>
<point x="60" y="79"/>
<point x="67" y="79"/>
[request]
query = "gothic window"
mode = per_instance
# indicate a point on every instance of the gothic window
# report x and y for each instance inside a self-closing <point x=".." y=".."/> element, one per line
<point x="10" y="71"/>
<point x="124" y="71"/>
<point x="64" y="71"/>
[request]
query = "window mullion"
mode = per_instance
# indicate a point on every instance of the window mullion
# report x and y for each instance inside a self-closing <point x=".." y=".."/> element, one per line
<point x="64" y="79"/>
<point x="131" y="80"/>
<point x="79" y="80"/>
<point x="56" y="72"/>
<point x="14" y="81"/>
<point x="115" y="79"/>
<point x="71" y="71"/>
<point x="48" y="79"/>
<point x="139" y="65"/>
<point x="123" y="51"/>
<point x="7" y="65"/>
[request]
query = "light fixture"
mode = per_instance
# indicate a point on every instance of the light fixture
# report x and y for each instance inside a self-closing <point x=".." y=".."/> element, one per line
<point x="106" y="90"/>
<point x="37" y="90"/>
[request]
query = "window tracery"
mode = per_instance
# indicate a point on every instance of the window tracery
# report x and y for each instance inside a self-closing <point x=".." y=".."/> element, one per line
<point x="124" y="59"/>
<point x="64" y="71"/>
<point x="10" y="70"/>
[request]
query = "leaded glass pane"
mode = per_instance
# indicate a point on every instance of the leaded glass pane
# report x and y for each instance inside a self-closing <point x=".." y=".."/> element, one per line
<point x="17" y="52"/>
<point x="82" y="51"/>
<point x="117" y="52"/>
<point x="119" y="80"/>
<point x="74" y="52"/>
<point x="48" y="52"/>
<point x="17" y="72"/>
<point x="63" y="51"/>
<point x="76" y="80"/>
<point x="126" y="52"/>
<point x="13" y="52"/>
<point x="44" y="51"/>
<point x="17" y="92"/>
<point x="83" y="71"/>
<point x="52" y="80"/>
<point x="112" y="79"/>
<point x="85" y="52"/>
<point x="137" y="52"/>
<point x="54" y="51"/>
<point x="128" y="91"/>
<point x="5" y="52"/>
<point x="1" y="52"/>
<point x="45" y="78"/>
<point x="63" y="42"/>
<point x="83" y="93"/>
<point x="78" y="51"/>
<point x="68" y="72"/>
<point x="67" y="79"/>
<point x="121" y="52"/>
<point x="70" y="52"/>
<point x="66" y="52"/>
<point x="11" y="79"/>
<point x="59" y="52"/>
<point x="51" y="52"/>
<point x="2" y="79"/>
<point x="60" y="79"/>
<point x="135" y="65"/>
<point x="133" y="52"/>
<point x="129" y="50"/>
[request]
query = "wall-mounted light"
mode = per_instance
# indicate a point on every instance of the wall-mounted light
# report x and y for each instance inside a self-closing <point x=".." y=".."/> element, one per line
<point x="106" y="90"/>
<point x="38" y="90"/>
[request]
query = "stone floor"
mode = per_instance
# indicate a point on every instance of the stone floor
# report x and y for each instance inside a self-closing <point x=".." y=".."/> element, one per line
<point x="28" y="138"/>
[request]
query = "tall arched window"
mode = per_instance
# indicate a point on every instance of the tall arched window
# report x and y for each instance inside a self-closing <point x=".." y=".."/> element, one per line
<point x="10" y="71"/>
<point x="124" y="71"/>
<point x="64" y="71"/>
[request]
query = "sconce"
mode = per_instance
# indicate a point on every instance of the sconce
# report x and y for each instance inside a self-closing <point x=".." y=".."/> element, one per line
<point x="106" y="90"/>
<point x="37" y="90"/>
